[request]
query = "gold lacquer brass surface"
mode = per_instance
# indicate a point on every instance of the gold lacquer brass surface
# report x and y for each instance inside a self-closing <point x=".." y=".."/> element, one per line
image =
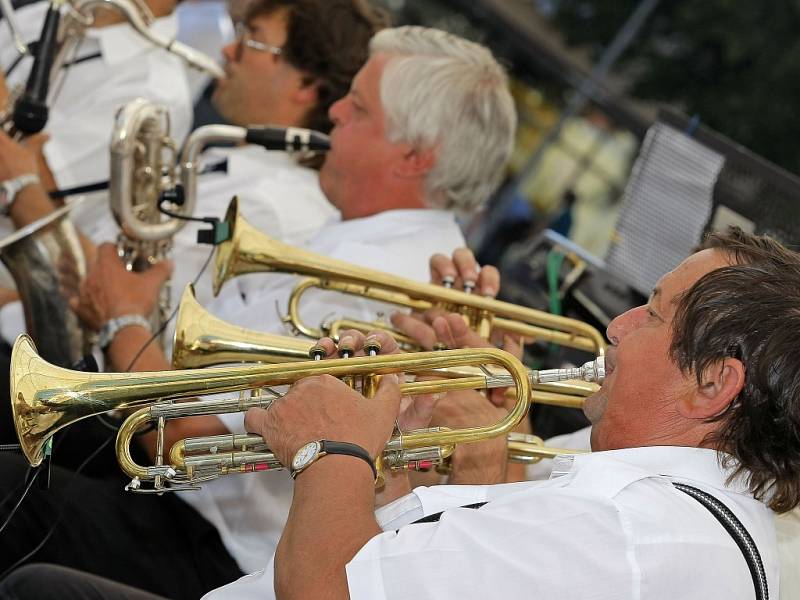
<point x="249" y="251"/>
<point x="203" y="340"/>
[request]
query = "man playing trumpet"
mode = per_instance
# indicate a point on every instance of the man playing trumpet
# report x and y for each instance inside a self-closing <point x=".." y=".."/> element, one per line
<point x="701" y="389"/>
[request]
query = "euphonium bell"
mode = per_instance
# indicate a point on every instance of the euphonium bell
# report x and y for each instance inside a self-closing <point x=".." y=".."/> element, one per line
<point x="247" y="250"/>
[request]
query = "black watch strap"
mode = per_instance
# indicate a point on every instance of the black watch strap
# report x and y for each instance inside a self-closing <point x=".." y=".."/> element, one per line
<point x="329" y="447"/>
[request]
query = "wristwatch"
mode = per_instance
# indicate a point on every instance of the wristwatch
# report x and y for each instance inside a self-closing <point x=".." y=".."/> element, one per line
<point x="11" y="187"/>
<point x="313" y="451"/>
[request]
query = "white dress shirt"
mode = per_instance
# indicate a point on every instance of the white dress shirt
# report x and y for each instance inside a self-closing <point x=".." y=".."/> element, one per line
<point x="399" y="242"/>
<point x="787" y="525"/>
<point x="86" y="100"/>
<point x="277" y="195"/>
<point x="610" y="527"/>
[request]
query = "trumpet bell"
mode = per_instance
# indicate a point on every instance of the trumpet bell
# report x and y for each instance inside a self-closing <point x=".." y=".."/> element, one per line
<point x="38" y="409"/>
<point x="203" y="340"/>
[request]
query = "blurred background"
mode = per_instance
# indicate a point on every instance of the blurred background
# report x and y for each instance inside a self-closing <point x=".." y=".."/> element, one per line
<point x="643" y="124"/>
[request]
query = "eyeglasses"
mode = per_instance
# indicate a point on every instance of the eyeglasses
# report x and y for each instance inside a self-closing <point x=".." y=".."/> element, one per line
<point x="243" y="37"/>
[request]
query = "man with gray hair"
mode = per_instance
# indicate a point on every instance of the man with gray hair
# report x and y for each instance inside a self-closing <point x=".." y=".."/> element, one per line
<point x="424" y="132"/>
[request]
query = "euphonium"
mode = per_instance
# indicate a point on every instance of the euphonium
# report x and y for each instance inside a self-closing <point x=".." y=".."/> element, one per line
<point x="142" y="169"/>
<point x="203" y="340"/>
<point x="47" y="263"/>
<point x="247" y="250"/>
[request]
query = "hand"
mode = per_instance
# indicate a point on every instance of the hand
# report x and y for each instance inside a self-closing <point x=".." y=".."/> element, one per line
<point x="3" y="91"/>
<point x="416" y="411"/>
<point x="323" y="407"/>
<point x="478" y="462"/>
<point x="18" y="159"/>
<point x="109" y="291"/>
<point x="428" y="328"/>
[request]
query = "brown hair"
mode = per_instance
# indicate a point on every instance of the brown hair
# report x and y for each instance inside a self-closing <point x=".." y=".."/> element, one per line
<point x="328" y="40"/>
<point x="750" y="311"/>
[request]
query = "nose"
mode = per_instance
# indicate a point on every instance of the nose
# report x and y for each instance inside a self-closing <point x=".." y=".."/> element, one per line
<point x="231" y="51"/>
<point x="623" y="324"/>
<point x="338" y="111"/>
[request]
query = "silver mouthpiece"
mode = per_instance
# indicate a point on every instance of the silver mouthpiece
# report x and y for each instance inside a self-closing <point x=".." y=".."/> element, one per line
<point x="593" y="371"/>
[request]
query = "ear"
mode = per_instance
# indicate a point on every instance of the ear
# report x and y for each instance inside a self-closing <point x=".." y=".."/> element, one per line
<point x="719" y="386"/>
<point x="306" y="94"/>
<point x="415" y="163"/>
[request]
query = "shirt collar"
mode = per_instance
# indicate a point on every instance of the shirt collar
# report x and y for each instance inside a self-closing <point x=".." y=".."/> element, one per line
<point x="121" y="42"/>
<point x="678" y="463"/>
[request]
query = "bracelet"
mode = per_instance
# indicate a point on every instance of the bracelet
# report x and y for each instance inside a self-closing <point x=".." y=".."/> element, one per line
<point x="112" y="327"/>
<point x="11" y="187"/>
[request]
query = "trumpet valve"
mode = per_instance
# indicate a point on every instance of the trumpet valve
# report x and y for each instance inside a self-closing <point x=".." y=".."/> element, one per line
<point x="372" y="347"/>
<point x="317" y="352"/>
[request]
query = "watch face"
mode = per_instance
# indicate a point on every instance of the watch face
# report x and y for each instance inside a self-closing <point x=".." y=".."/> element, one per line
<point x="305" y="455"/>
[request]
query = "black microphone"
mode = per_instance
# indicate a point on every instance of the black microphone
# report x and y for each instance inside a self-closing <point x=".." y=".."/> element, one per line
<point x="289" y="139"/>
<point x="30" y="112"/>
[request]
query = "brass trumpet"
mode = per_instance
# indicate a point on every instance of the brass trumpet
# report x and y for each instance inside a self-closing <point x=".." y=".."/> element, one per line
<point x="203" y="340"/>
<point x="46" y="398"/>
<point x="247" y="250"/>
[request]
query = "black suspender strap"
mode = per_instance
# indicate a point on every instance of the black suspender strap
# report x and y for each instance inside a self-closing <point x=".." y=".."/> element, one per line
<point x="739" y="534"/>
<point x="434" y="518"/>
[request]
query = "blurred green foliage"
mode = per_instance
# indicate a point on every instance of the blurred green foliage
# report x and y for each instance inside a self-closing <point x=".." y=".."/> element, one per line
<point x="735" y="63"/>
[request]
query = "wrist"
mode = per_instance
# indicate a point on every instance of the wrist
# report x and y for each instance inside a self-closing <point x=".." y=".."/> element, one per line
<point x="10" y="189"/>
<point x="313" y="452"/>
<point x="113" y="326"/>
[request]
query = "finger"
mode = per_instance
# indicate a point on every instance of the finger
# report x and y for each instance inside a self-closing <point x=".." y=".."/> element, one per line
<point x="466" y="265"/>
<point x="254" y="420"/>
<point x="452" y="331"/>
<point x="430" y="315"/>
<point x="350" y="342"/>
<point x="389" y="392"/>
<point x="106" y="250"/>
<point x="384" y="339"/>
<point x="420" y="332"/>
<point x="441" y="268"/>
<point x="328" y="345"/>
<point x="158" y="274"/>
<point x="513" y="345"/>
<point x="489" y="281"/>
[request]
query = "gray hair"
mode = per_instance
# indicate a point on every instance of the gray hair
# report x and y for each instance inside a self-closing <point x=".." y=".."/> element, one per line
<point x="444" y="92"/>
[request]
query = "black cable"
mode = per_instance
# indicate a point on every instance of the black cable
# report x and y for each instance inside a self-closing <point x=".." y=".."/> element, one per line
<point x="21" y="498"/>
<point x="91" y="457"/>
<point x="60" y="511"/>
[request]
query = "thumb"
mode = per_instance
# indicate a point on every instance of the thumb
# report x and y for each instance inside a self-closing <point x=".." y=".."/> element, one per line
<point x="160" y="272"/>
<point x="389" y="392"/>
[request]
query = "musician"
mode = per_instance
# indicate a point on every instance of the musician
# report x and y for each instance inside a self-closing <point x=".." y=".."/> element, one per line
<point x="702" y="389"/>
<point x="397" y="184"/>
<point x="282" y="69"/>
<point x="113" y="65"/>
